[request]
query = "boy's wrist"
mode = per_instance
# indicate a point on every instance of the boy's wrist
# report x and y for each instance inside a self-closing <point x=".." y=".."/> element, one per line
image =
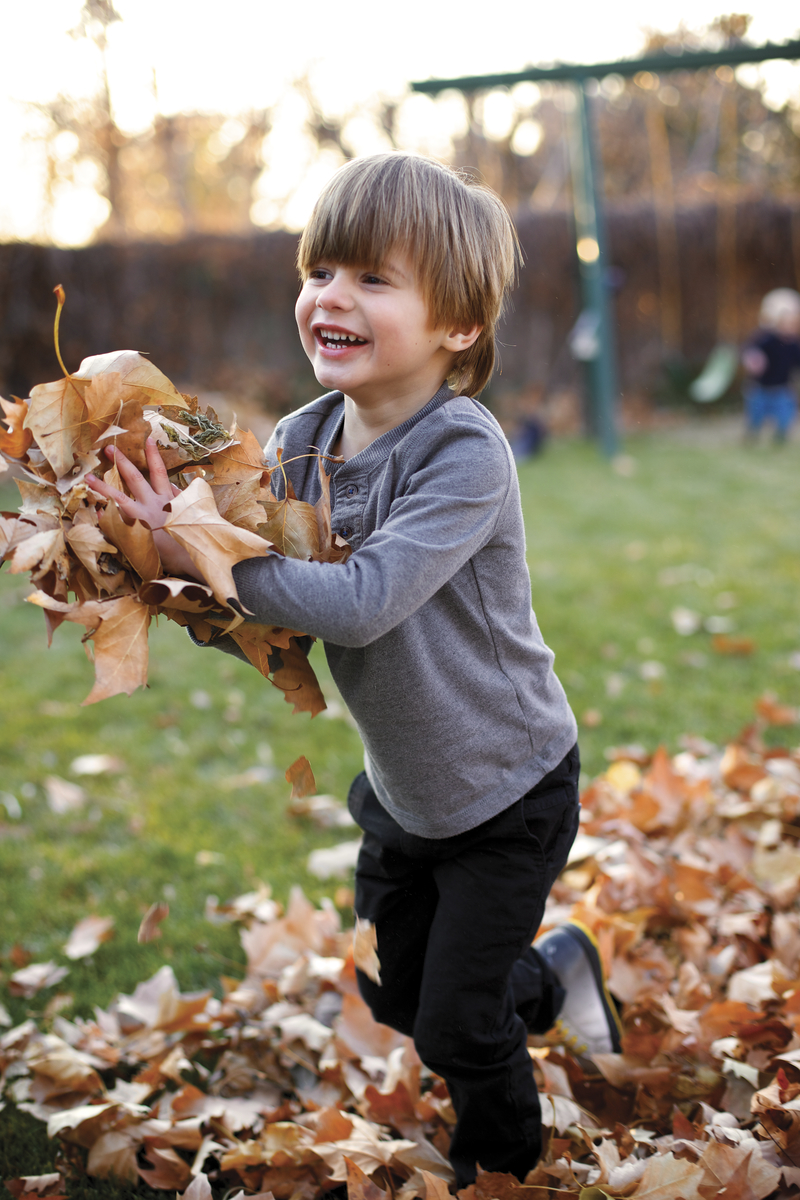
<point x="174" y="559"/>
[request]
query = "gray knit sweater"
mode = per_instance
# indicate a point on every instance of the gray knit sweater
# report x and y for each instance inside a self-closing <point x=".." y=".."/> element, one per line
<point x="428" y="627"/>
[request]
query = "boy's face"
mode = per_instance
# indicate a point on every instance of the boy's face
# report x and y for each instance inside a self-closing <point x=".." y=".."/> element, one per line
<point x="368" y="333"/>
<point x="788" y="326"/>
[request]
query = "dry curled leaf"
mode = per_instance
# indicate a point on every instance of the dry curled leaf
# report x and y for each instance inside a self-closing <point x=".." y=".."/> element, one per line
<point x="15" y="440"/>
<point x="56" y="418"/>
<point x="87" y="935"/>
<point x="365" y="949"/>
<point x="301" y="777"/>
<point x="136" y="373"/>
<point x="149" y="929"/>
<point x="213" y="544"/>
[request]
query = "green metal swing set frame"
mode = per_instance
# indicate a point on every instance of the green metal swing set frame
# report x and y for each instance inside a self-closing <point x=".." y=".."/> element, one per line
<point x="587" y="189"/>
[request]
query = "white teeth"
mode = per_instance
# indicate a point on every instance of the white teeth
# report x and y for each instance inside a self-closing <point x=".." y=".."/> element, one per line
<point x="331" y="335"/>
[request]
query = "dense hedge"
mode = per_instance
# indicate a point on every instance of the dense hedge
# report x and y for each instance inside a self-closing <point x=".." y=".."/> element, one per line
<point x="217" y="313"/>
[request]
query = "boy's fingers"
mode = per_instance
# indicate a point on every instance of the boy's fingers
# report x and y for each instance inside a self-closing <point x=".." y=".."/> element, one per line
<point x="134" y="478"/>
<point x="159" y="479"/>
<point x="110" y="493"/>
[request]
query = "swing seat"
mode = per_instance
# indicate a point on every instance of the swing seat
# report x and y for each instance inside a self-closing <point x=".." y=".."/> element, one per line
<point x="716" y="376"/>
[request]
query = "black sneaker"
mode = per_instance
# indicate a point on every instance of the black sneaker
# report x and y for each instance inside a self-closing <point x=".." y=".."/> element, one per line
<point x="588" y="1022"/>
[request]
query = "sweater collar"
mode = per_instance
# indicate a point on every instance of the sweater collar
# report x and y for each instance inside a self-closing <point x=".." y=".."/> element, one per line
<point x="380" y="449"/>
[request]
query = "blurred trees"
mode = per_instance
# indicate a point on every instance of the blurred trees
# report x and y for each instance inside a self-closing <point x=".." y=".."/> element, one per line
<point x="186" y="174"/>
<point x="683" y="138"/>
<point x="701" y="128"/>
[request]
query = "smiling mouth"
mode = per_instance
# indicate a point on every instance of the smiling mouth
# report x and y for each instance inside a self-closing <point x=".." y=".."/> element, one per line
<point x="335" y="339"/>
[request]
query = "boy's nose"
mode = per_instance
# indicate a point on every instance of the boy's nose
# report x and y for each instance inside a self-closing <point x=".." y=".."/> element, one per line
<point x="335" y="294"/>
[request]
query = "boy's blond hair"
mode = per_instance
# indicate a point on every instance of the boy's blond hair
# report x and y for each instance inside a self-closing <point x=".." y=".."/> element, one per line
<point x="779" y="305"/>
<point x="458" y="234"/>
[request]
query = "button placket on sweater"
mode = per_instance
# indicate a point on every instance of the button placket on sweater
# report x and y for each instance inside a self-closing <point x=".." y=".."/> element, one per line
<point x="351" y="497"/>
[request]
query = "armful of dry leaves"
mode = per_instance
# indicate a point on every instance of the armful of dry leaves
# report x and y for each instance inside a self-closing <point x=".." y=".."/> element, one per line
<point x="93" y="567"/>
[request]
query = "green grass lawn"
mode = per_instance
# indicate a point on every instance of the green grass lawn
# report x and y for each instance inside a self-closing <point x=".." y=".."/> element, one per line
<point x="703" y="524"/>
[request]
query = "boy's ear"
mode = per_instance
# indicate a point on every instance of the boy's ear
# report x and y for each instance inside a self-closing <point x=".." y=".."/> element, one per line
<point x="461" y="339"/>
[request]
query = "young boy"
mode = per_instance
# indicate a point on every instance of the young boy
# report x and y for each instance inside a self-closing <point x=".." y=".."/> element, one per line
<point x="771" y="359"/>
<point x="469" y="798"/>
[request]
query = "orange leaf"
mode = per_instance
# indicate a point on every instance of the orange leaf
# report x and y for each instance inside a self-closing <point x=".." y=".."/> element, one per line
<point x="301" y="777"/>
<point x="17" y="439"/>
<point x="137" y="431"/>
<point x="722" y="643"/>
<point x="776" y="714"/>
<point x="213" y="544"/>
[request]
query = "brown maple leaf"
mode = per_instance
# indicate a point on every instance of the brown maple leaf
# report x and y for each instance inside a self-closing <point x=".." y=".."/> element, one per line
<point x="184" y="595"/>
<point x="134" y="541"/>
<point x="118" y="629"/>
<point x="365" y="949"/>
<point x="167" y="1170"/>
<point x="213" y="544"/>
<point x="292" y="527"/>
<point x="239" y="503"/>
<point x="56" y="417"/>
<point x="43" y="551"/>
<point x="359" y="1185"/>
<point x="151" y="921"/>
<point x="241" y="462"/>
<point x="141" y="379"/>
<point x="295" y="677"/>
<point x="97" y="555"/>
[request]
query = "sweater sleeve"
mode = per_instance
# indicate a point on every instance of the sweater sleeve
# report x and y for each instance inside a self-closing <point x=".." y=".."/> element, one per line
<point x="444" y="513"/>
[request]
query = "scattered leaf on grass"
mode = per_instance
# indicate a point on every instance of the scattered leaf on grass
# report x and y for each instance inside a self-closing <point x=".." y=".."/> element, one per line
<point x="63" y="796"/>
<point x="149" y="928"/>
<point x="88" y="935"/>
<point x="723" y="643"/>
<point x="334" y="861"/>
<point x="96" y="764"/>
<point x="31" y="979"/>
<point x="53" y="1186"/>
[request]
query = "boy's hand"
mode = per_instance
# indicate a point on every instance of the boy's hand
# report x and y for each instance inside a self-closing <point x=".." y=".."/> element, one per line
<point x="754" y="361"/>
<point x="146" y="503"/>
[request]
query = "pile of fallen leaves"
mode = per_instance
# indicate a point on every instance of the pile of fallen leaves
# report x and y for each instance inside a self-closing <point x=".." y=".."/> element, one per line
<point x="687" y="868"/>
<point x="93" y="567"/>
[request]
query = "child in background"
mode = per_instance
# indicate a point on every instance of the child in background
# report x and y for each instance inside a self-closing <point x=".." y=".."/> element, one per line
<point x="469" y="797"/>
<point x="770" y="358"/>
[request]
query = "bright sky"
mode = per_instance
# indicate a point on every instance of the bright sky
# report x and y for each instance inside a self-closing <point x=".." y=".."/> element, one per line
<point x="243" y="54"/>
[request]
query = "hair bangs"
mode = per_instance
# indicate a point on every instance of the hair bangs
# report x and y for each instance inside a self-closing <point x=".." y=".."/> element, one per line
<point x="355" y="222"/>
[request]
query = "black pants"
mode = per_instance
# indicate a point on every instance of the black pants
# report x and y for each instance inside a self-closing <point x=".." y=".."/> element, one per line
<point x="455" y="918"/>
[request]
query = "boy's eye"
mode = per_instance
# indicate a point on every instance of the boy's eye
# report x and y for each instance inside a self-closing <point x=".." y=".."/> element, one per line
<point x="318" y="273"/>
<point x="373" y="279"/>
